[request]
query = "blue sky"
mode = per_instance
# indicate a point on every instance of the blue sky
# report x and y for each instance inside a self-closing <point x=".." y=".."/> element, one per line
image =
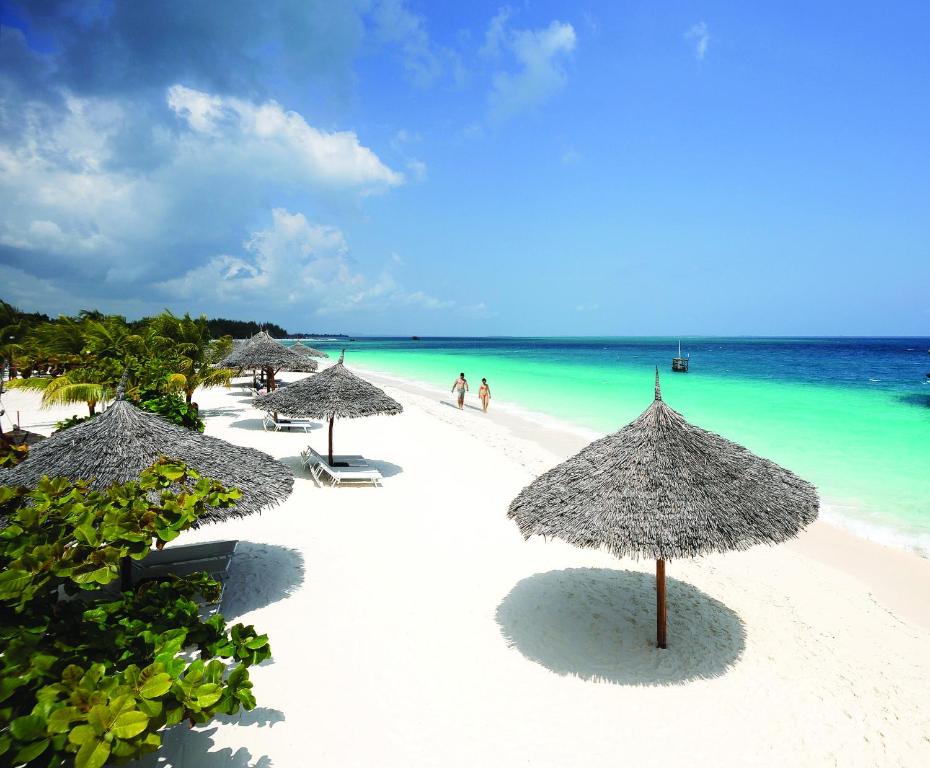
<point x="391" y="167"/>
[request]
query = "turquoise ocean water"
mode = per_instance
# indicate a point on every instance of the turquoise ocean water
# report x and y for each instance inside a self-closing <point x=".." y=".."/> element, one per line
<point x="850" y="415"/>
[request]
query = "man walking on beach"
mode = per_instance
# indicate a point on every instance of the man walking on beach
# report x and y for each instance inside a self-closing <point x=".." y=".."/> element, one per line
<point x="460" y="388"/>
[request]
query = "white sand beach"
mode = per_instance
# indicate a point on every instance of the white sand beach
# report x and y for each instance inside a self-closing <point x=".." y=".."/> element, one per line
<point x="412" y="625"/>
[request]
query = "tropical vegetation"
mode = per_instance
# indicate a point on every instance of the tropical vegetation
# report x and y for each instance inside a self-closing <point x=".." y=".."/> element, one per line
<point x="90" y="675"/>
<point x="82" y="359"/>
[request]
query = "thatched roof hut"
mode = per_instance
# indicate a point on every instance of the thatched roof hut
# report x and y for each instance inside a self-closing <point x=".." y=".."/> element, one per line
<point x="663" y="488"/>
<point x="117" y="445"/>
<point x="262" y="351"/>
<point x="302" y="349"/>
<point x="331" y="393"/>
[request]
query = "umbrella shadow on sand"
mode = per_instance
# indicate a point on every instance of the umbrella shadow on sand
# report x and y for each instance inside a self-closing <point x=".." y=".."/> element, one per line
<point x="257" y="424"/>
<point x="599" y="624"/>
<point x="259" y="575"/>
<point x="222" y="411"/>
<point x="386" y="468"/>
<point x="253" y="424"/>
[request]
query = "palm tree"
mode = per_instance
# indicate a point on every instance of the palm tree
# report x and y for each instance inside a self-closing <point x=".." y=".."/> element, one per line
<point x="13" y="329"/>
<point x="81" y="385"/>
<point x="195" y="355"/>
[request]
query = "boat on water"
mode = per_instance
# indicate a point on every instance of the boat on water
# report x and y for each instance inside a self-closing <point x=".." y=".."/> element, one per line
<point x="680" y="364"/>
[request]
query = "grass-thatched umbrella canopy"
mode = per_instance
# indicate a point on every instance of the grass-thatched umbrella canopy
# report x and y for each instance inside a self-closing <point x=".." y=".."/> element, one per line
<point x="262" y="351"/>
<point x="663" y="488"/>
<point x="118" y="444"/>
<point x="331" y="393"/>
<point x="302" y="349"/>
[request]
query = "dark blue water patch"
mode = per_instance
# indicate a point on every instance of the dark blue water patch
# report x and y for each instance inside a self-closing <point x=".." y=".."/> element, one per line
<point x="897" y="365"/>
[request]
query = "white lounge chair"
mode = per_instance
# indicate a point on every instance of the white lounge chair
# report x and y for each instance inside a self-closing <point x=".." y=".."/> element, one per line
<point x="276" y="425"/>
<point x="345" y="469"/>
<point x="310" y="458"/>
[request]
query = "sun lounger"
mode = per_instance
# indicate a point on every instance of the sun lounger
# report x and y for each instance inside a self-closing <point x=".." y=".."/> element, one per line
<point x="276" y="425"/>
<point x="345" y="468"/>
<point x="310" y="458"/>
<point x="347" y="475"/>
<point x="213" y="557"/>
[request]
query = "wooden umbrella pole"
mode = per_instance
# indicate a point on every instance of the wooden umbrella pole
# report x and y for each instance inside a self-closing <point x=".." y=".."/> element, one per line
<point x="331" y="420"/>
<point x="271" y="385"/>
<point x="660" y="604"/>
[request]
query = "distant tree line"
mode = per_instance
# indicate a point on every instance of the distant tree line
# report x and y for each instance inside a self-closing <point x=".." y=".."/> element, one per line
<point x="243" y="329"/>
<point x="15" y="325"/>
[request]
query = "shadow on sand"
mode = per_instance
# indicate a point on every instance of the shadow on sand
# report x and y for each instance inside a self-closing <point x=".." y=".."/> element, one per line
<point x="259" y="575"/>
<point x="386" y="468"/>
<point x="222" y="411"/>
<point x="455" y="405"/>
<point x="255" y="424"/>
<point x="599" y="624"/>
<point x="184" y="747"/>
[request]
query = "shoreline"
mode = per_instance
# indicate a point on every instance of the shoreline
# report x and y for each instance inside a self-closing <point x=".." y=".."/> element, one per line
<point x="887" y="534"/>
<point x="408" y="622"/>
<point x="889" y="571"/>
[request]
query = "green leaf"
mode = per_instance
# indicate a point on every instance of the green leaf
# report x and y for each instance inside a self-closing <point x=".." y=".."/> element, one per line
<point x="156" y="686"/>
<point x="208" y="694"/>
<point x="13" y="582"/>
<point x="102" y="575"/>
<point x="28" y="727"/>
<point x="60" y="720"/>
<point x="129" y="724"/>
<point x="150" y="708"/>
<point x="174" y="716"/>
<point x="31" y="751"/>
<point x="92" y="754"/>
<point x="81" y="734"/>
<point x="99" y="719"/>
<point x="8" y="685"/>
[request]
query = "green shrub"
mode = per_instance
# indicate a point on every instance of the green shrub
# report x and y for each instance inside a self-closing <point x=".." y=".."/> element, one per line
<point x="175" y="409"/>
<point x="94" y="677"/>
<point x="71" y="421"/>
<point x="11" y="454"/>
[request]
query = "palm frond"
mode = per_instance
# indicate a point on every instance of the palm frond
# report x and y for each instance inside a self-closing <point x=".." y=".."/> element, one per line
<point x="34" y="383"/>
<point x="176" y="382"/>
<point x="68" y="393"/>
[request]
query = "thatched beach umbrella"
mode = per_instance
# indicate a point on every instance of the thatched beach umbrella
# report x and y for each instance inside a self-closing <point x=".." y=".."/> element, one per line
<point x="118" y="444"/>
<point x="663" y="488"/>
<point x="262" y="351"/>
<point x="302" y="349"/>
<point x="331" y="393"/>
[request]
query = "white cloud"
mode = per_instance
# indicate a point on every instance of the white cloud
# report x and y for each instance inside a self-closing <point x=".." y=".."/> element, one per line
<point x="296" y="262"/>
<point x="699" y="36"/>
<point x="417" y="168"/>
<point x="496" y="35"/>
<point x="540" y="55"/>
<point x="269" y="134"/>
<point x="395" y="23"/>
<point x="71" y="189"/>
<point x="60" y="191"/>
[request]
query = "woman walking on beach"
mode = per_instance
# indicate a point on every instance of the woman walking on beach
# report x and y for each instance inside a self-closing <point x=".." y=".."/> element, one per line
<point x="484" y="394"/>
<point x="460" y="388"/>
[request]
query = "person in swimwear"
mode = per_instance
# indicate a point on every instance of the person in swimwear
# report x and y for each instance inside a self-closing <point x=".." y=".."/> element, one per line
<point x="460" y="388"/>
<point x="484" y="394"/>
